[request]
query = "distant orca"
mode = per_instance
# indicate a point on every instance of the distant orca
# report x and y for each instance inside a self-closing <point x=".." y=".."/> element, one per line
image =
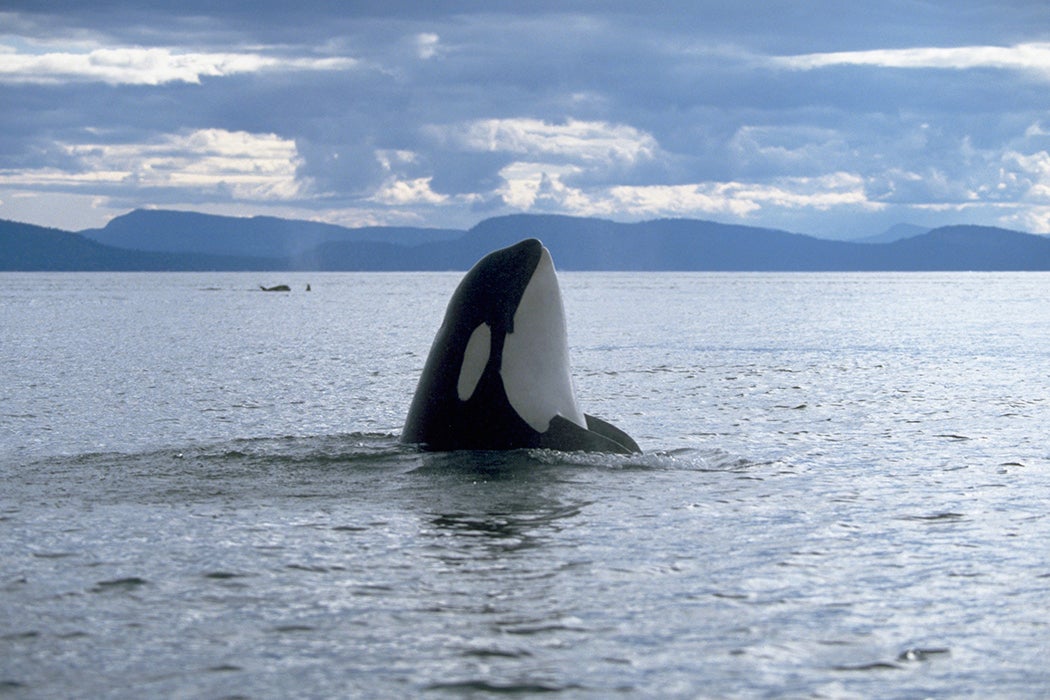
<point x="276" y="288"/>
<point x="497" y="377"/>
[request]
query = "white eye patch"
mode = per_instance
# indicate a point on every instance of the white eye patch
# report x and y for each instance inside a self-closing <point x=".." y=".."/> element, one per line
<point x="475" y="357"/>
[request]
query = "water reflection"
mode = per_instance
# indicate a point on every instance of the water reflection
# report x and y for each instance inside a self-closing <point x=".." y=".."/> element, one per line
<point x="506" y="531"/>
<point x="500" y="531"/>
<point x="492" y="503"/>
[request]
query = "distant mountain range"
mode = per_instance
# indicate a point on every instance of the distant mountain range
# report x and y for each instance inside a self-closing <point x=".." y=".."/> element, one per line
<point x="895" y="233"/>
<point x="151" y="240"/>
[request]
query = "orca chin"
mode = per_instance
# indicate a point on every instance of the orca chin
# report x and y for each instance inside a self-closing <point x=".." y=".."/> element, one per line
<point x="497" y="376"/>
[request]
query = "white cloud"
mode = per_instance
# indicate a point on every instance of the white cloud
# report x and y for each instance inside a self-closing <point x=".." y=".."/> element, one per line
<point x="817" y="193"/>
<point x="389" y="158"/>
<point x="587" y="142"/>
<point x="790" y="150"/>
<point x="237" y="164"/>
<point x="1036" y="129"/>
<point x="1030" y="173"/>
<point x="741" y="199"/>
<point x="428" y="45"/>
<point x="1029" y="57"/>
<point x="643" y="118"/>
<point x="148" y="66"/>
<point x="1034" y="218"/>
<point x="408" y="192"/>
<point x="1037" y="164"/>
<point x="538" y="186"/>
<point x="706" y="199"/>
<point x="523" y="182"/>
<point x="548" y="155"/>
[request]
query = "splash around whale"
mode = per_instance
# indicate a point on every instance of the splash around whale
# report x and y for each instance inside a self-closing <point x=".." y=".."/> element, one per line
<point x="497" y="376"/>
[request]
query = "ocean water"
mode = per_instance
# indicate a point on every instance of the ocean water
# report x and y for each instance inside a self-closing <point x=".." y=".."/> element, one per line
<point x="844" y="493"/>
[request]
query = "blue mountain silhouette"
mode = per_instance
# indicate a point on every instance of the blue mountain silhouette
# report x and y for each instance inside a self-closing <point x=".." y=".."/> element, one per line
<point x="167" y="240"/>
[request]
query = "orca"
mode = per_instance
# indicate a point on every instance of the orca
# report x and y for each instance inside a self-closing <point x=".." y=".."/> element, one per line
<point x="497" y="376"/>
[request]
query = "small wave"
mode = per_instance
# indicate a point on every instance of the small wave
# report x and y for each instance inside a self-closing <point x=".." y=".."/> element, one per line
<point x="277" y="466"/>
<point x="872" y="666"/>
<point x="129" y="583"/>
<point x="484" y="462"/>
<point x="922" y="653"/>
<point x="317" y="449"/>
<point x="512" y="464"/>
<point x="496" y="688"/>
<point x="316" y="468"/>
<point x="496" y="653"/>
<point x="507" y="523"/>
<point x="681" y="459"/>
<point x="947" y="516"/>
<point x="338" y="447"/>
<point x="292" y="629"/>
<point x="363" y="450"/>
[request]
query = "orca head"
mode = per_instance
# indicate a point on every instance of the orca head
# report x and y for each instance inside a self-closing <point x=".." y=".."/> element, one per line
<point x="497" y="376"/>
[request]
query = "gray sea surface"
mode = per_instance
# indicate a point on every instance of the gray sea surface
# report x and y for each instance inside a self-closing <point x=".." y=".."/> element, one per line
<point x="844" y="493"/>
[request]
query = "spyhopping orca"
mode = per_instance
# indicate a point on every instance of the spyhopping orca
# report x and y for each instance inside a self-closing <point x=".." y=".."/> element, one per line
<point x="497" y="377"/>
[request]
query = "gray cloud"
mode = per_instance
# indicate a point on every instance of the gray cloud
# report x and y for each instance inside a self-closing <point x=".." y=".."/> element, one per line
<point x="809" y="115"/>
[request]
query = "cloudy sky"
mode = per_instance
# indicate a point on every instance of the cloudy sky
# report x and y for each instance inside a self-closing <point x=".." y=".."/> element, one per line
<point x="838" y="119"/>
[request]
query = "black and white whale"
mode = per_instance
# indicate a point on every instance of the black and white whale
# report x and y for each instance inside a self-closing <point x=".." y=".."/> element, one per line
<point x="497" y="377"/>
